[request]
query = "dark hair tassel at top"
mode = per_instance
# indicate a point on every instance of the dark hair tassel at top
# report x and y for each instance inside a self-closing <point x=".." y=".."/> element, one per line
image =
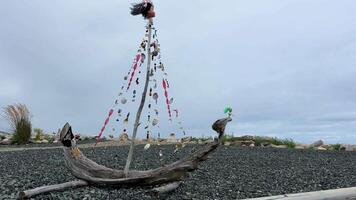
<point x="141" y="8"/>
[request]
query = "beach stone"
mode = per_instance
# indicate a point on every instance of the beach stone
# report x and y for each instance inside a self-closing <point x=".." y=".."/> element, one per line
<point x="321" y="148"/>
<point x="280" y="146"/>
<point x="244" y="143"/>
<point x="227" y="143"/>
<point x="44" y="141"/>
<point x="317" y="143"/>
<point x="299" y="147"/>
<point x="5" y="141"/>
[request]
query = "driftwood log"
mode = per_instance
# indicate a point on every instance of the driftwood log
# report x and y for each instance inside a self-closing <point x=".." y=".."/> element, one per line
<point x="91" y="173"/>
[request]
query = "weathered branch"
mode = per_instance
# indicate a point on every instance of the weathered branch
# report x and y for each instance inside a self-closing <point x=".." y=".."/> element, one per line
<point x="164" y="189"/>
<point x="51" y="188"/>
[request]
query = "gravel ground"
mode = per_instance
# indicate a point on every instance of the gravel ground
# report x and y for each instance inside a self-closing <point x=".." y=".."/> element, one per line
<point x="232" y="172"/>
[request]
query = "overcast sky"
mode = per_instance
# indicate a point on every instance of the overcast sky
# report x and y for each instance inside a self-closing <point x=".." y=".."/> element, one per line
<point x="286" y="67"/>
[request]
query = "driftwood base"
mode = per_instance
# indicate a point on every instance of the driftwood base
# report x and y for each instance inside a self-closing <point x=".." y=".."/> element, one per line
<point x="89" y="172"/>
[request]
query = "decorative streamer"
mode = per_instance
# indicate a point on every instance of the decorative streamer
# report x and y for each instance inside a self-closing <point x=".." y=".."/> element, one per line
<point x="138" y="57"/>
<point x="167" y="101"/>
<point x="103" y="128"/>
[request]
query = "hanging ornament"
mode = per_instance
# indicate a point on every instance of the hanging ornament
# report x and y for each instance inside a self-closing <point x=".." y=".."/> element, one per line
<point x="155" y="97"/>
<point x="156" y="111"/>
<point x="125" y="78"/>
<point x="167" y="83"/>
<point x="117" y="120"/>
<point x="123" y="100"/>
<point x="176" y="110"/>
<point x="149" y="118"/>
<point x="148" y="135"/>
<point x="171" y="101"/>
<point x="228" y="111"/>
<point x="119" y="112"/>
<point x="151" y="72"/>
<point x="143" y="57"/>
<point x="149" y="106"/>
<point x="154" y="122"/>
<point x="126" y="120"/>
<point x="143" y="45"/>
<point x="150" y="92"/>
<point x="160" y="153"/>
<point x="137" y="82"/>
<point x="155" y="81"/>
<point x="116" y="102"/>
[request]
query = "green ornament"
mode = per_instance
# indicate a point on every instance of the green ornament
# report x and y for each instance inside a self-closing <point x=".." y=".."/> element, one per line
<point x="228" y="110"/>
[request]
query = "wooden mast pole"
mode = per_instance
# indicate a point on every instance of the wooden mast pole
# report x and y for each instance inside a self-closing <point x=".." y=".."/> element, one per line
<point x="144" y="94"/>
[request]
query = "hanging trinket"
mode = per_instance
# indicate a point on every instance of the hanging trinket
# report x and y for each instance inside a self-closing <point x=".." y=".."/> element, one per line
<point x="151" y="73"/>
<point x="160" y="153"/>
<point x="155" y="97"/>
<point x="143" y="57"/>
<point x="148" y="135"/>
<point x="116" y="102"/>
<point x="125" y="78"/>
<point x="156" y="111"/>
<point x="167" y="83"/>
<point x="149" y="118"/>
<point x="150" y="92"/>
<point x="117" y="120"/>
<point x="123" y="100"/>
<point x="154" y="122"/>
<point x="155" y="85"/>
<point x="143" y="45"/>
<point x="137" y="81"/>
<point x="149" y="106"/>
<point x="176" y="110"/>
<point x="171" y="101"/>
<point x="119" y="112"/>
<point x="127" y="118"/>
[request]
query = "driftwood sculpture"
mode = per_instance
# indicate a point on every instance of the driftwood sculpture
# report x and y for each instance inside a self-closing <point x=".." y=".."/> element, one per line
<point x="91" y="173"/>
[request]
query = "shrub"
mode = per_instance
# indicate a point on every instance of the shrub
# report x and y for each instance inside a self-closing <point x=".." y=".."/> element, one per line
<point x="19" y="119"/>
<point x="38" y="134"/>
<point x="336" y="147"/>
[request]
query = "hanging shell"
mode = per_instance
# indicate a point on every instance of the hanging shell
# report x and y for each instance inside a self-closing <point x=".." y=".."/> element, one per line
<point x="154" y="122"/>
<point x="123" y="100"/>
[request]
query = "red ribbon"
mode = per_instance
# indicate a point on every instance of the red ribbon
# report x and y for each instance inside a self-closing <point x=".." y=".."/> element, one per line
<point x="164" y="84"/>
<point x="138" y="57"/>
<point x="103" y="128"/>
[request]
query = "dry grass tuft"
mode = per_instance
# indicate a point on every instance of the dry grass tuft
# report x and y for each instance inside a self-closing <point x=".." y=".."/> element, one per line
<point x="19" y="119"/>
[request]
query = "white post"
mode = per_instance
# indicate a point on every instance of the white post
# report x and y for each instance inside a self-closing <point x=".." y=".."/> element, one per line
<point x="144" y="94"/>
